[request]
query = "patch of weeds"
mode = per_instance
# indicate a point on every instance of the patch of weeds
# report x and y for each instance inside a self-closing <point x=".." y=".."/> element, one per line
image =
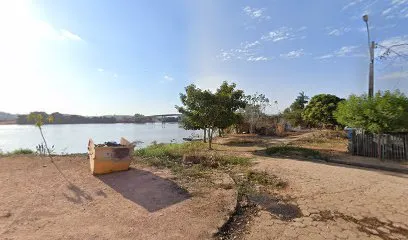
<point x="265" y="179"/>
<point x="190" y="160"/>
<point x="21" y="151"/>
<point x="242" y="143"/>
<point x="172" y="150"/>
<point x="226" y="160"/>
<point x="293" y="151"/>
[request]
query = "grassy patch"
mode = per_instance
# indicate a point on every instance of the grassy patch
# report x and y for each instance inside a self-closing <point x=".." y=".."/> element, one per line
<point x="293" y="151"/>
<point x="19" y="151"/>
<point x="265" y="179"/>
<point x="172" y="150"/>
<point x="23" y="151"/>
<point x="188" y="159"/>
<point x="326" y="140"/>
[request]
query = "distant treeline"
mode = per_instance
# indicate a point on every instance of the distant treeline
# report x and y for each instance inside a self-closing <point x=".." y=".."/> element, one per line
<point x="59" y="118"/>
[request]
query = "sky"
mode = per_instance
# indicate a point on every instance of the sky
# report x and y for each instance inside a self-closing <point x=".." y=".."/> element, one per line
<point x="100" y="57"/>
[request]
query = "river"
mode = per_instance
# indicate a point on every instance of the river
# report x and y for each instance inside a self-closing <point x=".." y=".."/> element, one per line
<point x="73" y="138"/>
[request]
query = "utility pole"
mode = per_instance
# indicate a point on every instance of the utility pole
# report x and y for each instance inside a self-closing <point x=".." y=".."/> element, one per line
<point x="371" y="46"/>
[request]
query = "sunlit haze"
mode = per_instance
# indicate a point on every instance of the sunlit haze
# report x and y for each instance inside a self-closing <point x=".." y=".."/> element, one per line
<point x="126" y="57"/>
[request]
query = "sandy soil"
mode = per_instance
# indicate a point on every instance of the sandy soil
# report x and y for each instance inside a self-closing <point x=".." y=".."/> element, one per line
<point x="337" y="202"/>
<point x="36" y="202"/>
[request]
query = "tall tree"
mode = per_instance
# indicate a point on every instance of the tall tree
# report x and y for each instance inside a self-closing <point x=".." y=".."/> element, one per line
<point x="319" y="111"/>
<point x="255" y="108"/>
<point x="293" y="114"/>
<point x="209" y="111"/>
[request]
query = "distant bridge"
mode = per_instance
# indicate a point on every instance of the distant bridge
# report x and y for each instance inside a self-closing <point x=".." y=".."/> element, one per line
<point x="165" y="115"/>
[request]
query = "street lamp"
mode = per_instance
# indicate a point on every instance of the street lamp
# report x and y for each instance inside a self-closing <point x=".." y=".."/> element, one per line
<point x="371" y="46"/>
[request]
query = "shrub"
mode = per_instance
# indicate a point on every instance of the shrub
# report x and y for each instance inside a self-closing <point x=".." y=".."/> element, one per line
<point x="23" y="151"/>
<point x="285" y="150"/>
<point x="263" y="178"/>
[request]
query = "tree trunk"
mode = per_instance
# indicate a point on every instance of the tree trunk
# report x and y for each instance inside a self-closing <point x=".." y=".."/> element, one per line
<point x="379" y="146"/>
<point x="219" y="132"/>
<point x="205" y="135"/>
<point x="210" y="135"/>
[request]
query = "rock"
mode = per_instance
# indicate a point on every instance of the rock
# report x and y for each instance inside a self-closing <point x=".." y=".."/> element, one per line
<point x="372" y="231"/>
<point x="383" y="229"/>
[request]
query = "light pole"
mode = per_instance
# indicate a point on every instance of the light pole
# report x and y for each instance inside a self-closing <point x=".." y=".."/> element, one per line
<point x="371" y="46"/>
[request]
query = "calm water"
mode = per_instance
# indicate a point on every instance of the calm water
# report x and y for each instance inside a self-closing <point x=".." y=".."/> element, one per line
<point x="73" y="138"/>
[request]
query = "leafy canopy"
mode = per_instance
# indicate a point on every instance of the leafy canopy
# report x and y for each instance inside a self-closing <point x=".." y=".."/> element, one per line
<point x="319" y="111"/>
<point x="385" y="112"/>
<point x="293" y="114"/>
<point x="203" y="109"/>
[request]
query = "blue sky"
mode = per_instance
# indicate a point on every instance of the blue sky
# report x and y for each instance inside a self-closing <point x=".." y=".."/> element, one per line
<point x="99" y="57"/>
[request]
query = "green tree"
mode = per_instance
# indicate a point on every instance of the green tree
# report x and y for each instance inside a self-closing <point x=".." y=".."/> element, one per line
<point x="319" y="111"/>
<point x="385" y="112"/>
<point x="205" y="110"/>
<point x="255" y="108"/>
<point x="293" y="114"/>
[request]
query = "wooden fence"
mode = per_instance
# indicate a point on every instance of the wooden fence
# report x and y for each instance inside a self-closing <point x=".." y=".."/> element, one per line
<point x="392" y="146"/>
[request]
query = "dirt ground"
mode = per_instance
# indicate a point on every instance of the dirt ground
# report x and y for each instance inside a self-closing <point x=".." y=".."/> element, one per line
<point x="37" y="203"/>
<point x="335" y="201"/>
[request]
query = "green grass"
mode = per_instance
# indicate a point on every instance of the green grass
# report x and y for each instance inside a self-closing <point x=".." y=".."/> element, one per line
<point x="293" y="151"/>
<point x="17" y="152"/>
<point x="172" y="150"/>
<point x="22" y="151"/>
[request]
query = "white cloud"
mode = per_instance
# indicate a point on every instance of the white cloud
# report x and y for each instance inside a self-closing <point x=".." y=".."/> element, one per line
<point x="256" y="59"/>
<point x="247" y="50"/>
<point x="345" y="51"/>
<point x="284" y="33"/>
<point x="387" y="11"/>
<point x="256" y="13"/>
<point x="69" y="35"/>
<point x="101" y="70"/>
<point x="325" y="56"/>
<point x="168" y="78"/>
<point x="397" y="8"/>
<point x="115" y="76"/>
<point x="337" y="31"/>
<point x="293" y="54"/>
<point x="351" y="4"/>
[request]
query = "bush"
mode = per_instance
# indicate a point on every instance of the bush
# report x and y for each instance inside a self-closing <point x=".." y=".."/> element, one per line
<point x="285" y="150"/>
<point x="22" y="151"/>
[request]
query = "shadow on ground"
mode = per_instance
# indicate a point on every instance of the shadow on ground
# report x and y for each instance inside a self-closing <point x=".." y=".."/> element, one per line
<point x="145" y="189"/>
<point x="77" y="194"/>
<point x="333" y="162"/>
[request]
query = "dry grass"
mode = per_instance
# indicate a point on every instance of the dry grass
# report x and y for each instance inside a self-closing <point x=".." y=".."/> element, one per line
<point x="323" y="140"/>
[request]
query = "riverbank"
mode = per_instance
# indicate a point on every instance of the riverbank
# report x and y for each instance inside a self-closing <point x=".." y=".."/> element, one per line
<point x="10" y="122"/>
